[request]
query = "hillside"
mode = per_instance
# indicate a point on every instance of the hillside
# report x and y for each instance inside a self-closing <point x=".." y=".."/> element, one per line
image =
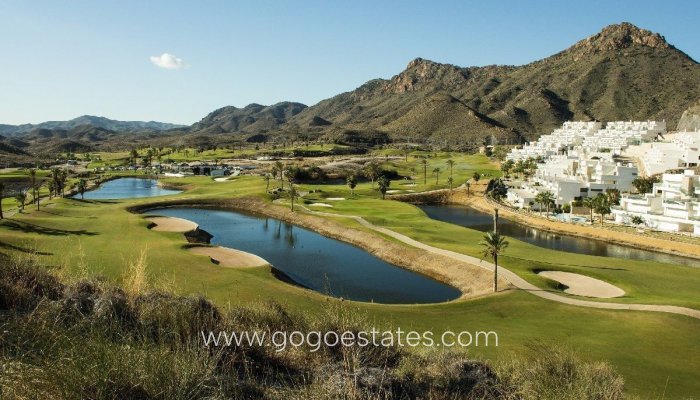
<point x="97" y="122"/>
<point x="623" y="72"/>
<point x="690" y="120"/>
<point x="253" y="118"/>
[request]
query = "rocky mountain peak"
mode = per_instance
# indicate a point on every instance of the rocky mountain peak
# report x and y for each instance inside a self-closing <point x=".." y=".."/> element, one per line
<point x="421" y="72"/>
<point x="619" y="37"/>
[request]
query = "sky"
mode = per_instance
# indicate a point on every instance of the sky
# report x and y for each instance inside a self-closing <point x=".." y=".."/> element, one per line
<point x="175" y="61"/>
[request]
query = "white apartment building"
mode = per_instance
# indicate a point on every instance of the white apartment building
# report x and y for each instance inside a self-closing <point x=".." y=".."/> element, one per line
<point x="672" y="206"/>
<point x="618" y="135"/>
<point x="570" y="135"/>
<point x="571" y="178"/>
<point x="683" y="151"/>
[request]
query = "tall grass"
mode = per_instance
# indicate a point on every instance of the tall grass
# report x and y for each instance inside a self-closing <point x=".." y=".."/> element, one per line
<point x="92" y="340"/>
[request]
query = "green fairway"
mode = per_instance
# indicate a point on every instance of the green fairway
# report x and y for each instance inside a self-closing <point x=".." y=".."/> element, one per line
<point x="652" y="350"/>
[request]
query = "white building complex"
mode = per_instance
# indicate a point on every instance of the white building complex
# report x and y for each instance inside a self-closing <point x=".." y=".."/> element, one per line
<point x="571" y="178"/>
<point x="682" y="151"/>
<point x="673" y="205"/>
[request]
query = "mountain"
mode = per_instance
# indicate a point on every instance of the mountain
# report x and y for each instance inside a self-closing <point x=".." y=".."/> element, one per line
<point x="89" y="120"/>
<point x="690" y="120"/>
<point x="253" y="118"/>
<point x="621" y="73"/>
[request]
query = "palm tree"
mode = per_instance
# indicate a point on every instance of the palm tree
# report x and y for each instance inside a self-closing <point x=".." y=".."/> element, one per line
<point x="292" y="190"/>
<point x="494" y="244"/>
<point x="82" y="185"/>
<point x="2" y="191"/>
<point x="32" y="177"/>
<point x="424" y="162"/>
<point x="436" y="172"/>
<point x="546" y="199"/>
<point x="450" y="181"/>
<point x="267" y="182"/>
<point x="602" y="206"/>
<point x="589" y="202"/>
<point x="280" y="170"/>
<point x="384" y="183"/>
<point x="352" y="183"/>
<point x="371" y="171"/>
<point x="450" y="163"/>
<point x="468" y="185"/>
<point x="21" y="198"/>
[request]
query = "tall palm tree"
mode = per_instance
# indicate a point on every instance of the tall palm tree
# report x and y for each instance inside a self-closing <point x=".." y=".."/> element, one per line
<point x="494" y="244"/>
<point x="2" y="191"/>
<point x="424" y="162"/>
<point x="436" y="172"/>
<point x="602" y="206"/>
<point x="371" y="171"/>
<point x="450" y="163"/>
<point x="32" y="178"/>
<point x="384" y="183"/>
<point x="449" y="182"/>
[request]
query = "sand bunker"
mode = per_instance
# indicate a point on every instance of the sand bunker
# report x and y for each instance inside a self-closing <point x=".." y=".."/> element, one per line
<point x="335" y="198"/>
<point x="221" y="179"/>
<point x="408" y="184"/>
<point x="226" y="257"/>
<point x="581" y="285"/>
<point x="394" y="191"/>
<point x="320" y="205"/>
<point x="172" y="224"/>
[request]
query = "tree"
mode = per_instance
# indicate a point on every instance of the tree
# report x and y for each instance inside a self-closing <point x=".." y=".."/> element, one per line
<point x="602" y="206"/>
<point x="267" y="182"/>
<point x="507" y="166"/>
<point x="546" y="199"/>
<point x="371" y="171"/>
<point x="468" y="185"/>
<point x="589" y="202"/>
<point x="384" y="183"/>
<point x="645" y="185"/>
<point x="613" y="197"/>
<point x="21" y="198"/>
<point x="476" y="176"/>
<point x="424" y="162"/>
<point x="494" y="244"/>
<point x="82" y="185"/>
<point x="32" y="178"/>
<point x="280" y="171"/>
<point x="450" y="165"/>
<point x="135" y="154"/>
<point x="292" y="190"/>
<point x="449" y="182"/>
<point x="352" y="183"/>
<point x="436" y="172"/>
<point x="2" y="192"/>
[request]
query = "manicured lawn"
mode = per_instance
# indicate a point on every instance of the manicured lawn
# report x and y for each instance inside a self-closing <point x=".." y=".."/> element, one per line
<point x="647" y="348"/>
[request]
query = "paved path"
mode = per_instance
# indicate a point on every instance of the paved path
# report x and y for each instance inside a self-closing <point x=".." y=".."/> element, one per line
<point x="512" y="277"/>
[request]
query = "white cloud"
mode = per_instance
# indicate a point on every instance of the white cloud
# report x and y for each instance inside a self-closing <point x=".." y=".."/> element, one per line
<point x="168" y="61"/>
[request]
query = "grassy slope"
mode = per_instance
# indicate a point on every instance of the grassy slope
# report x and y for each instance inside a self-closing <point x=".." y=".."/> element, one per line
<point x="110" y="237"/>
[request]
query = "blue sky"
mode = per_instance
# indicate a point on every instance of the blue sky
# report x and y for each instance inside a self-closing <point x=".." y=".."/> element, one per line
<point x="59" y="60"/>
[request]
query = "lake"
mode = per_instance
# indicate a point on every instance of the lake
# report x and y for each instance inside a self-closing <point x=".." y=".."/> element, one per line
<point x="470" y="218"/>
<point x="128" y="188"/>
<point x="314" y="261"/>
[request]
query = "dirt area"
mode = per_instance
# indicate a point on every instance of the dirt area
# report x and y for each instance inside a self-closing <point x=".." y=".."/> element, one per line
<point x="227" y="257"/>
<point x="581" y="285"/>
<point x="172" y="224"/>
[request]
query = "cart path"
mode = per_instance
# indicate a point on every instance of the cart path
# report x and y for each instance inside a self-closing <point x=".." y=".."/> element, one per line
<point x="512" y="277"/>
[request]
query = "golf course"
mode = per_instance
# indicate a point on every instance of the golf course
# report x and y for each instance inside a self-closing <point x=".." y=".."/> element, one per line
<point x="81" y="238"/>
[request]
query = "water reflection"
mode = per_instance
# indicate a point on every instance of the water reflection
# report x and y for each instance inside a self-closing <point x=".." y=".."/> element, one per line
<point x="128" y="188"/>
<point x="315" y="261"/>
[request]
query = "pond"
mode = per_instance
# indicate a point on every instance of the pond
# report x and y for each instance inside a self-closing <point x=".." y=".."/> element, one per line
<point x="128" y="188"/>
<point x="470" y="218"/>
<point x="314" y="261"/>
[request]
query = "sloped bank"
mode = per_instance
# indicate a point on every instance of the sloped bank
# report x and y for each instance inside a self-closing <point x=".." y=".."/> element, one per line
<point x="470" y="279"/>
